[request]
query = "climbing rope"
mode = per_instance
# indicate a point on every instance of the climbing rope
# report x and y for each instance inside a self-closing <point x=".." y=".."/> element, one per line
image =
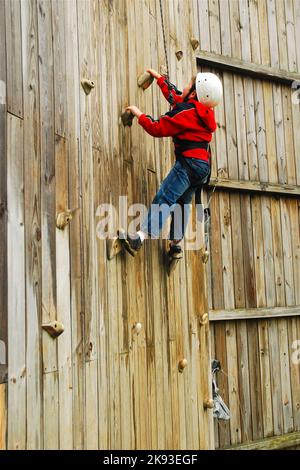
<point x="164" y="36"/>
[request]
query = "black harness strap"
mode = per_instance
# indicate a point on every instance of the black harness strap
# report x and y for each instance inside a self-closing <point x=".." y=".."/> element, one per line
<point x="194" y="180"/>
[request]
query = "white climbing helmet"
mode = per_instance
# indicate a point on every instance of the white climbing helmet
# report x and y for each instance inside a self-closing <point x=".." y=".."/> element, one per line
<point x="209" y="89"/>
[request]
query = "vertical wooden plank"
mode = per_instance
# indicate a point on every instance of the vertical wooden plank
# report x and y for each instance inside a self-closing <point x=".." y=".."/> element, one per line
<point x="222" y="380"/>
<point x="251" y="128"/>
<point x="287" y="253"/>
<point x="258" y="248"/>
<point x="266" y="380"/>
<point x="115" y="302"/>
<point x="237" y="251"/>
<point x="48" y="220"/>
<point x="288" y="135"/>
<point x="104" y="280"/>
<point x="192" y="385"/>
<point x="267" y="333"/>
<point x="226" y="237"/>
<point x="241" y="131"/>
<point x="147" y="45"/>
<point x="284" y="364"/>
<point x="261" y="140"/>
<point x="296" y="5"/>
<point x="63" y="299"/>
<point x="75" y="201"/>
<point x="295" y="237"/>
<point x="245" y="30"/>
<point x="220" y="154"/>
<point x="247" y="240"/>
<point x="216" y="253"/>
<point x="270" y="132"/>
<point x="291" y="34"/>
<point x="255" y="380"/>
<point x="248" y="92"/>
<point x="88" y="233"/>
<point x="272" y="28"/>
<point x="153" y="345"/>
<point x="16" y="276"/>
<point x="143" y="51"/>
<point x="233" y="384"/>
<point x="14" y="57"/>
<point x="214" y="26"/>
<point x="244" y="385"/>
<point x="296" y="137"/>
<point x="231" y="138"/>
<point x="279" y="133"/>
<point x="229" y="302"/>
<point x="59" y="68"/>
<point x="258" y="363"/>
<point x="278" y="252"/>
<point x="268" y="251"/>
<point x="51" y="407"/>
<point x="3" y="201"/>
<point x="225" y="27"/>
<point x="32" y="198"/>
<point x="203" y="21"/>
<point x="3" y="415"/>
<point x="294" y="373"/>
<point x="276" y="386"/>
<point x="235" y="28"/>
<point x="282" y="36"/>
<point x="213" y="355"/>
<point x="263" y="32"/>
<point x="254" y="34"/>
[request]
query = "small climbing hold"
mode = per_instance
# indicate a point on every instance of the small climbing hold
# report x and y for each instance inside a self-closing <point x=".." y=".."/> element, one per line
<point x="204" y="319"/>
<point x="113" y="247"/>
<point x="182" y="365"/>
<point x="137" y="328"/>
<point x="179" y="55"/>
<point x="87" y="85"/>
<point x="208" y="403"/>
<point x="205" y="256"/>
<point x="54" y="328"/>
<point x="145" y="80"/>
<point x="127" y="118"/>
<point x="63" y="219"/>
<point x="195" y="43"/>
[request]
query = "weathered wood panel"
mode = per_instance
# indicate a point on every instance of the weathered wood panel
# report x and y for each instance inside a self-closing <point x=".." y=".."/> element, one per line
<point x="3" y="415"/>
<point x="100" y="385"/>
<point x="3" y="200"/>
<point x="32" y="205"/>
<point x="13" y="57"/>
<point x="16" y="277"/>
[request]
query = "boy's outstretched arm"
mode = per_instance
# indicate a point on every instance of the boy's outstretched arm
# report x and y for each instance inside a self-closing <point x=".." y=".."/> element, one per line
<point x="167" y="125"/>
<point x="170" y="91"/>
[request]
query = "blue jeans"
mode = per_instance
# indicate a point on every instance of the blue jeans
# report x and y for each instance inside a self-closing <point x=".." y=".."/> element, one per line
<point x="174" y="197"/>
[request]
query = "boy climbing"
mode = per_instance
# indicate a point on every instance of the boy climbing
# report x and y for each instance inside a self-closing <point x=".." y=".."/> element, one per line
<point x="191" y="123"/>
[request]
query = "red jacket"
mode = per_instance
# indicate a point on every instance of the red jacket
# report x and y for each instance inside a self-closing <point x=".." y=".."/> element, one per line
<point x="188" y="122"/>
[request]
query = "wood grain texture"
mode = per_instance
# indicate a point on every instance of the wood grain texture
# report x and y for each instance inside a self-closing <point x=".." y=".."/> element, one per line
<point x="100" y="384"/>
<point x="3" y="415"/>
<point x="16" y="276"/>
<point x="3" y="198"/>
<point x="14" y="57"/>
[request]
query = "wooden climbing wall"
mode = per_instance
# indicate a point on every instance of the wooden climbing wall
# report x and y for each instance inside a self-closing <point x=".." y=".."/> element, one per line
<point x="254" y="269"/>
<point x="99" y="385"/>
